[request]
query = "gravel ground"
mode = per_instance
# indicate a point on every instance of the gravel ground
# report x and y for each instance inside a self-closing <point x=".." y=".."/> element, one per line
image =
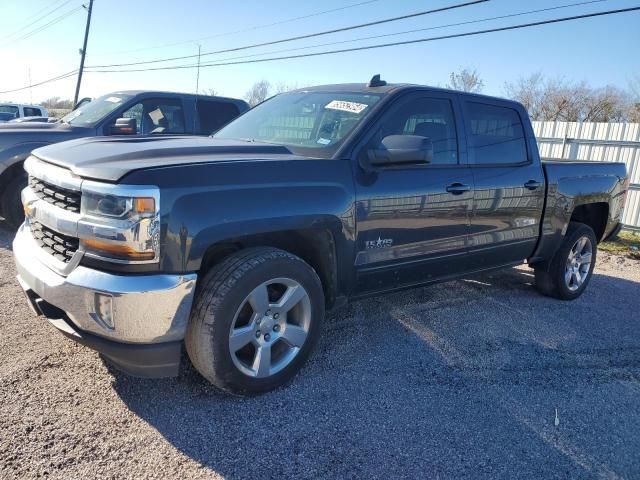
<point x="455" y="380"/>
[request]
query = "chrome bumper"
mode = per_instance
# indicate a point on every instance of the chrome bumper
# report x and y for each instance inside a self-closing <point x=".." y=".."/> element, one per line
<point x="123" y="308"/>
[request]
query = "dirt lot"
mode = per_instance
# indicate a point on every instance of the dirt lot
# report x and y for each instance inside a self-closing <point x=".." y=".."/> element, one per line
<point x="455" y="380"/>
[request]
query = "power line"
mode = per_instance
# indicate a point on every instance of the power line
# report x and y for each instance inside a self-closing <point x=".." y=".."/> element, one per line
<point x="465" y="34"/>
<point x="383" y="45"/>
<point x="49" y="80"/>
<point x="481" y="20"/>
<point x="249" y="29"/>
<point x="301" y="37"/>
<point x="45" y="26"/>
<point x="43" y="15"/>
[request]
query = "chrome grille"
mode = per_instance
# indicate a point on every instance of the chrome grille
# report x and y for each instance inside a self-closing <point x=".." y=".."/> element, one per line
<point x="55" y="244"/>
<point x="58" y="196"/>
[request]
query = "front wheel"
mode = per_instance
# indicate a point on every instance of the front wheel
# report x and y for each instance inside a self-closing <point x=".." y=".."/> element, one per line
<point x="11" y="201"/>
<point x="256" y="319"/>
<point x="571" y="268"/>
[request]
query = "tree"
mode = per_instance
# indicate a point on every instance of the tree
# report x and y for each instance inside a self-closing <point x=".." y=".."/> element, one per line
<point x="282" y="87"/>
<point x="258" y="92"/>
<point x="561" y="100"/>
<point x="634" y="107"/>
<point x="466" y="80"/>
<point x="634" y="86"/>
<point x="57" y="103"/>
<point x="210" y="91"/>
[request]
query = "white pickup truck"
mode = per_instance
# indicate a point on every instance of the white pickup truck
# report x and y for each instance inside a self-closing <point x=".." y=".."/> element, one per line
<point x="10" y="111"/>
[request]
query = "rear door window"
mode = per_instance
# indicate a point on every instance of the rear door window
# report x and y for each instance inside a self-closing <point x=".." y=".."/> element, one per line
<point x="32" y="112"/>
<point x="495" y="135"/>
<point x="214" y="115"/>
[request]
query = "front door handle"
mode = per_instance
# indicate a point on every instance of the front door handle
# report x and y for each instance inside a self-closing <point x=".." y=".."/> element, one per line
<point x="532" y="185"/>
<point x="458" y="188"/>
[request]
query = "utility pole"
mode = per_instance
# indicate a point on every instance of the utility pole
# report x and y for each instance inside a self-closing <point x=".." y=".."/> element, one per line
<point x="30" y="88"/>
<point x="198" y="74"/>
<point x="83" y="51"/>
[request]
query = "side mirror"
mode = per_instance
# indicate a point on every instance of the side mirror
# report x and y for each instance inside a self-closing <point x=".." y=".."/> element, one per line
<point x="124" y="126"/>
<point x="402" y="149"/>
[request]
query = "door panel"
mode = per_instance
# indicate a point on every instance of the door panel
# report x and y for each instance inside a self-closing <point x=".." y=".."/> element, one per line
<point x="409" y="228"/>
<point x="412" y="222"/>
<point x="505" y="224"/>
<point x="509" y="189"/>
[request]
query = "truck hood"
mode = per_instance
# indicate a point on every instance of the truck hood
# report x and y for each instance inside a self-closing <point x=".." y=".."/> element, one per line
<point x="37" y="134"/>
<point x="31" y="126"/>
<point x="110" y="159"/>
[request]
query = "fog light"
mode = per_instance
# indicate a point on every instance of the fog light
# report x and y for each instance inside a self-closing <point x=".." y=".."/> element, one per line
<point x="104" y="311"/>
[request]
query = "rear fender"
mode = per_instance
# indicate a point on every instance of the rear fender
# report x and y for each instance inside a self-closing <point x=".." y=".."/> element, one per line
<point x="564" y="195"/>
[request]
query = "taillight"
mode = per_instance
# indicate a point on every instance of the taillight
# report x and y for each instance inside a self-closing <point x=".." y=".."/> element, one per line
<point x="627" y="182"/>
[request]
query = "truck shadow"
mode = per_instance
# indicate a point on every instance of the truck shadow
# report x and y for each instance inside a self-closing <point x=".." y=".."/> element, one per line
<point x="457" y="379"/>
<point x="6" y="235"/>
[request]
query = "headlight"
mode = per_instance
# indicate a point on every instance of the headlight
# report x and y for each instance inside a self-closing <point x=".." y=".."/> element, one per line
<point x="113" y="206"/>
<point x="120" y="223"/>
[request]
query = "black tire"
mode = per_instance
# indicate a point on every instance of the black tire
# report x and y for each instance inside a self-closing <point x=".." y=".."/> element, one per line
<point x="551" y="281"/>
<point x="11" y="202"/>
<point x="220" y="295"/>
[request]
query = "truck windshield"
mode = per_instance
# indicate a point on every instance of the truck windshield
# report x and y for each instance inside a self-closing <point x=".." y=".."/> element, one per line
<point x="309" y="123"/>
<point x="91" y="113"/>
<point x="12" y="109"/>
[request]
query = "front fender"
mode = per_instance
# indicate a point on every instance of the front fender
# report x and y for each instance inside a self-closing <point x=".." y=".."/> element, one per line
<point x="203" y="205"/>
<point x="200" y="220"/>
<point x="18" y="153"/>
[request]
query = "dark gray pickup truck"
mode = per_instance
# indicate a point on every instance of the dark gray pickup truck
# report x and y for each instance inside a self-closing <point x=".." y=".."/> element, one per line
<point x="234" y="246"/>
<point x="120" y="113"/>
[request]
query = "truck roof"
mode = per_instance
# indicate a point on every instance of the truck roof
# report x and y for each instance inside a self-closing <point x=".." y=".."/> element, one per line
<point x="393" y="88"/>
<point x="10" y="104"/>
<point x="163" y="92"/>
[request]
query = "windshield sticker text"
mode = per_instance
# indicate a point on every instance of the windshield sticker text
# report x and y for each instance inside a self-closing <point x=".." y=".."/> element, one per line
<point x="345" y="106"/>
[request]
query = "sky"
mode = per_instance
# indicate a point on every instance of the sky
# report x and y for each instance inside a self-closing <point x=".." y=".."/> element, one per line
<point x="598" y="50"/>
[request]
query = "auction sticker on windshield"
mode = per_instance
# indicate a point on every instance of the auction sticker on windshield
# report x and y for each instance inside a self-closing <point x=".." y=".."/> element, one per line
<point x="346" y="106"/>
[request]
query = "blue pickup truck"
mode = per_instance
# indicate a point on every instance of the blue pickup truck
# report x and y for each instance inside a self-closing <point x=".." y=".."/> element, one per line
<point x="233" y="246"/>
<point x="119" y="113"/>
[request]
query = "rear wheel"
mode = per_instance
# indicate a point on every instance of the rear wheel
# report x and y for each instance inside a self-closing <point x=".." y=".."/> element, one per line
<point x="256" y="319"/>
<point x="11" y="202"/>
<point x="571" y="268"/>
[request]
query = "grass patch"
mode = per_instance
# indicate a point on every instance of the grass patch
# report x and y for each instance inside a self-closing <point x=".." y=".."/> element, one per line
<point x="627" y="244"/>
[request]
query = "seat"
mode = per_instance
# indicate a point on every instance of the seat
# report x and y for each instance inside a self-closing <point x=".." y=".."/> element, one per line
<point x="437" y="132"/>
<point x="439" y="135"/>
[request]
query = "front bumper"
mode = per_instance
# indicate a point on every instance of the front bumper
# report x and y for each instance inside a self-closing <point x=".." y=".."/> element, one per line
<point x="136" y="321"/>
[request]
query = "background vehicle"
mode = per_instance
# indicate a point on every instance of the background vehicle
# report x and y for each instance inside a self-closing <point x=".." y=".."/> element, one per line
<point x="148" y="113"/>
<point x="6" y="117"/>
<point x="30" y="119"/>
<point x="236" y="244"/>
<point x="19" y="110"/>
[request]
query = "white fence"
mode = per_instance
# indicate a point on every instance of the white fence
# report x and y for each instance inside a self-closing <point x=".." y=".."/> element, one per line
<point x="606" y="142"/>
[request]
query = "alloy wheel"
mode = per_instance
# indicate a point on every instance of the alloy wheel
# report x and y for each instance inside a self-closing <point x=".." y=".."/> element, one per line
<point x="578" y="264"/>
<point x="270" y="327"/>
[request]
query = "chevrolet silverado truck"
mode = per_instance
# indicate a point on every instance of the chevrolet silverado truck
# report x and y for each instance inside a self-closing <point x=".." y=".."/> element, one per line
<point x="120" y="113"/>
<point x="233" y="246"/>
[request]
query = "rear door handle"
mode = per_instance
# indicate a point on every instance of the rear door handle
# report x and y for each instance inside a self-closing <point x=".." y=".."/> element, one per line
<point x="458" y="188"/>
<point x="532" y="185"/>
